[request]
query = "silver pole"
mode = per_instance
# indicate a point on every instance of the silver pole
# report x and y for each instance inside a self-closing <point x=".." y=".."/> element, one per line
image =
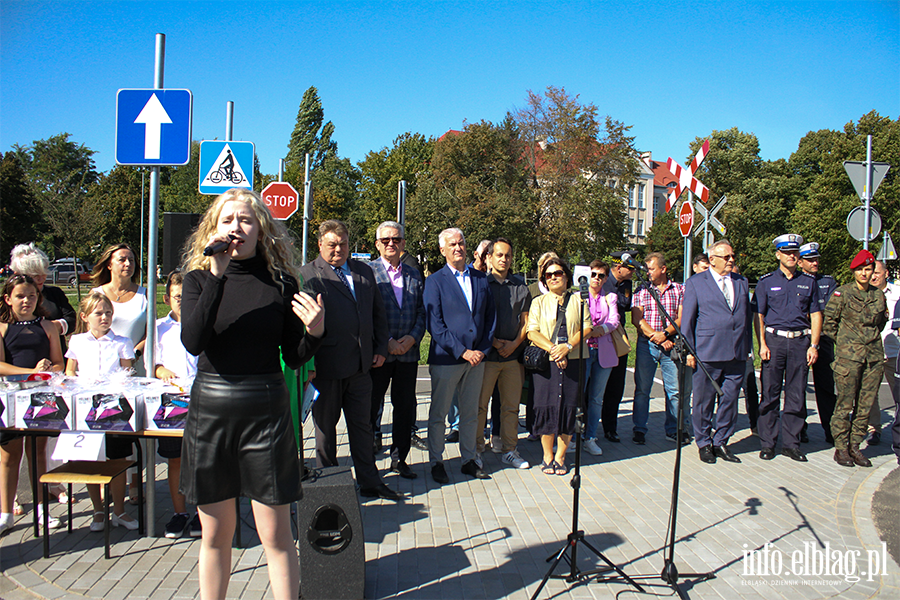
<point x="280" y="169"/>
<point x="688" y="248"/>
<point x="141" y="259"/>
<point x="307" y="206"/>
<point x="229" y="121"/>
<point x="152" y="250"/>
<point x="868" y="191"/>
<point x="401" y="201"/>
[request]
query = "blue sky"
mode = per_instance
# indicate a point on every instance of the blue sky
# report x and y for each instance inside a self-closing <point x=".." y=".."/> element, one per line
<point x="674" y="71"/>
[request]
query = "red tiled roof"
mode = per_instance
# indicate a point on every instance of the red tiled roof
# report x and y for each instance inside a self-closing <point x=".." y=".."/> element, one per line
<point x="662" y="176"/>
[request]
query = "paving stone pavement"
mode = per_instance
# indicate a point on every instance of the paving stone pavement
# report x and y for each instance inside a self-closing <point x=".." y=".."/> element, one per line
<point x="762" y="528"/>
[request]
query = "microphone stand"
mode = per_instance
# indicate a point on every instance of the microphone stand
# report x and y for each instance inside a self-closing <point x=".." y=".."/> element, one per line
<point x="576" y="536"/>
<point x="679" y="354"/>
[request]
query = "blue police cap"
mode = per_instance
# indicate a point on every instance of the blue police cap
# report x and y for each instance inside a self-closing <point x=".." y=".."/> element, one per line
<point x="788" y="241"/>
<point x="810" y="250"/>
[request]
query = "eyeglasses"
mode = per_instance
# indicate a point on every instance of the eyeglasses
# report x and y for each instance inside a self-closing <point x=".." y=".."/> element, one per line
<point x="388" y="240"/>
<point x="726" y="257"/>
<point x="598" y="275"/>
<point x="551" y="274"/>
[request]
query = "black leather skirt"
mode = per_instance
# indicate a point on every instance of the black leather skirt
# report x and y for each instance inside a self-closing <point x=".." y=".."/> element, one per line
<point x="239" y="441"/>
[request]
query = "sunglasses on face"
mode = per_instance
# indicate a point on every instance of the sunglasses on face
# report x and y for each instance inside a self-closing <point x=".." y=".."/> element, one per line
<point x="595" y="275"/>
<point x="552" y="274"/>
<point x="726" y="257"/>
<point x="388" y="240"/>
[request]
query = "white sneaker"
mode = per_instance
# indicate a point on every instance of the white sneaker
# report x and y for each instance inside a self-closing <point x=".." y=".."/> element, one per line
<point x="512" y="458"/>
<point x="592" y="448"/>
<point x="496" y="444"/>
<point x="52" y="522"/>
<point x="6" y="522"/>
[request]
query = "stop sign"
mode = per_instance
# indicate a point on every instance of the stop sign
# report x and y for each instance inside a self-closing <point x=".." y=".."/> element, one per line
<point x="281" y="198"/>
<point x="685" y="219"/>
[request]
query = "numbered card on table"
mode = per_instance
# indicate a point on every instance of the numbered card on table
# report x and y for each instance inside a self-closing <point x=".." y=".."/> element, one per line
<point x="80" y="445"/>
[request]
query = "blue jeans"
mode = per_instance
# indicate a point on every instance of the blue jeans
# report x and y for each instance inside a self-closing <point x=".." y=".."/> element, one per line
<point x="596" y="386"/>
<point x="647" y="357"/>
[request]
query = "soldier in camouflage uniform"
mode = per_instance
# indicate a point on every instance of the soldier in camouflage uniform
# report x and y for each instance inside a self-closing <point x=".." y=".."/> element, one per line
<point x="854" y="318"/>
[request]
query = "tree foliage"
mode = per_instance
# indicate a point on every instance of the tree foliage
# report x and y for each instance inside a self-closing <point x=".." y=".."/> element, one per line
<point x="19" y="215"/>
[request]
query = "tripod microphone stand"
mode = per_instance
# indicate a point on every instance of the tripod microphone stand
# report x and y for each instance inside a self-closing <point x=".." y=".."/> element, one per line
<point x="679" y="355"/>
<point x="576" y="536"/>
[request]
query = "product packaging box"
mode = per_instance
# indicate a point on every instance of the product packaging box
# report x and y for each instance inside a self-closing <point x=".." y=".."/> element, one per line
<point x="7" y="408"/>
<point x="44" y="408"/>
<point x="165" y="408"/>
<point x="103" y="409"/>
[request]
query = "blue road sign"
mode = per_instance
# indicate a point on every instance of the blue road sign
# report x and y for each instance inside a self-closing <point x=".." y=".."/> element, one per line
<point x="225" y="165"/>
<point x="153" y="127"/>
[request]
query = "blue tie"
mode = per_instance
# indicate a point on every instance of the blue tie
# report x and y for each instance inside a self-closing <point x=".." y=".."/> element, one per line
<point x="343" y="278"/>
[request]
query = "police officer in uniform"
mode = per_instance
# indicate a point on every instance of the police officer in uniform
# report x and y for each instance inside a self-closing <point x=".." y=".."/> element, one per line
<point x="790" y="324"/>
<point x="823" y="376"/>
<point x="854" y="318"/>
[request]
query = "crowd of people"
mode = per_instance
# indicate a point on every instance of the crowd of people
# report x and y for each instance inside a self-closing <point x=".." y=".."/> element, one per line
<point x="242" y="311"/>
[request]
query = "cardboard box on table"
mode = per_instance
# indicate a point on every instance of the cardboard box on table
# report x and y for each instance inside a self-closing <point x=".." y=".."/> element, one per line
<point x="7" y="408"/>
<point x="165" y="408"/>
<point x="45" y="407"/>
<point x="109" y="408"/>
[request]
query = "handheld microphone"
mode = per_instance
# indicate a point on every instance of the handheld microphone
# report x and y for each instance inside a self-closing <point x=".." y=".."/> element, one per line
<point x="627" y="259"/>
<point x="217" y="247"/>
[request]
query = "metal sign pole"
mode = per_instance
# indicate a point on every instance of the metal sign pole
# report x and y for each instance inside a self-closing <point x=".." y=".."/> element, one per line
<point x="401" y="202"/>
<point x="307" y="205"/>
<point x="229" y="121"/>
<point x="688" y="247"/>
<point x="868" y="191"/>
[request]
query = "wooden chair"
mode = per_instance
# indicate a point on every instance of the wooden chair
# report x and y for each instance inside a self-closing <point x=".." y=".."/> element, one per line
<point x="89" y="472"/>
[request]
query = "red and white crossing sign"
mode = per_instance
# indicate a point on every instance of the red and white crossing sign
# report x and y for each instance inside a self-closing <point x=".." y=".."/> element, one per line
<point x="686" y="219"/>
<point x="686" y="179"/>
<point x="281" y="198"/>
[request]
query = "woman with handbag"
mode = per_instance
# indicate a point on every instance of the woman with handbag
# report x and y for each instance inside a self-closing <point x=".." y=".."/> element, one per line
<point x="603" y="354"/>
<point x="555" y="326"/>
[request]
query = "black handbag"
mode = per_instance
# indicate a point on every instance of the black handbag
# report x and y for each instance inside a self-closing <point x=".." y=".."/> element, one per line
<point x="536" y="359"/>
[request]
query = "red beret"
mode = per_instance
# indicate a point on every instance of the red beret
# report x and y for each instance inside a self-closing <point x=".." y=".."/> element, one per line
<point x="862" y="259"/>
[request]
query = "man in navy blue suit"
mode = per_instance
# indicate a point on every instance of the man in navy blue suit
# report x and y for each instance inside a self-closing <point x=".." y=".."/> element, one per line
<point x="460" y="316"/>
<point x="716" y="322"/>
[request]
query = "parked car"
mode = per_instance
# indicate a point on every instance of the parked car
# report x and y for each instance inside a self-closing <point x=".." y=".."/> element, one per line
<point x="65" y="273"/>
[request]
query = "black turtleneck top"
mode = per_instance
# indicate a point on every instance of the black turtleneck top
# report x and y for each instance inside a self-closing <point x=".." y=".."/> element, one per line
<point x="237" y="323"/>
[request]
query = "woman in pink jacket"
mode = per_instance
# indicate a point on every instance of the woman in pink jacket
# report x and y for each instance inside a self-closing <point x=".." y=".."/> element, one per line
<point x="604" y="318"/>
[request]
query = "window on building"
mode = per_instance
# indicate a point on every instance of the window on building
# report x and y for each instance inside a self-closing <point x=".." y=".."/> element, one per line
<point x="630" y="226"/>
<point x="640" y="196"/>
<point x="631" y="197"/>
<point x="640" y="229"/>
<point x="655" y="206"/>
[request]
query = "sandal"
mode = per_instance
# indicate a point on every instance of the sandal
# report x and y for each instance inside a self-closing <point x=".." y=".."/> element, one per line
<point x="17" y="509"/>
<point x="561" y="469"/>
<point x="548" y="469"/>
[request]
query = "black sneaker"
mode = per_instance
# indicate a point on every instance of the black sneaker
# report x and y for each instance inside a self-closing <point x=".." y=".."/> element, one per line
<point x="194" y="527"/>
<point x="639" y="438"/>
<point x="176" y="525"/>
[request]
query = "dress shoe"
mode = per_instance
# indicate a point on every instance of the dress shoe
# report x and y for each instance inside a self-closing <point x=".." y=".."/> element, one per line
<point x="452" y="437"/>
<point x="767" y="453"/>
<point x="875" y="439"/>
<point x="725" y="454"/>
<point x="842" y="457"/>
<point x="612" y="437"/>
<point x="804" y="437"/>
<point x="794" y="454"/>
<point x="472" y="469"/>
<point x="398" y="466"/>
<point x="858" y="457"/>
<point x="439" y="474"/>
<point x="380" y="491"/>
<point x="707" y="455"/>
<point x="418" y="442"/>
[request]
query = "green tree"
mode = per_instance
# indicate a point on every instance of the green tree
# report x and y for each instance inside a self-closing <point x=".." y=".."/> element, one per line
<point x="179" y="185"/>
<point x="19" y="213"/>
<point x="579" y="168"/>
<point x="60" y="174"/>
<point x="311" y="135"/>
<point x="115" y="203"/>
<point x="665" y="237"/>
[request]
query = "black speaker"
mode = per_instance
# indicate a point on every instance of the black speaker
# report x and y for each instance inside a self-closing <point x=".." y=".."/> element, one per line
<point x="332" y="544"/>
<point x="177" y="227"/>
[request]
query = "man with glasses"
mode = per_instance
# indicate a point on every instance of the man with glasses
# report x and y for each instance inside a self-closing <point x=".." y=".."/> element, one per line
<point x="401" y="289"/>
<point x="716" y="322"/>
<point x="823" y="375"/>
<point x="789" y="317"/>
<point x="619" y="284"/>
<point x="654" y="345"/>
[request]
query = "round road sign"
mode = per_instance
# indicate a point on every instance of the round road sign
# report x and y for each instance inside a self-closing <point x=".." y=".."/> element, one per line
<point x="281" y="198"/>
<point x="856" y="223"/>
<point x="686" y="218"/>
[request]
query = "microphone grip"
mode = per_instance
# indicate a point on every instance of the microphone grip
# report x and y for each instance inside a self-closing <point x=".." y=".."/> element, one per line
<point x="217" y="247"/>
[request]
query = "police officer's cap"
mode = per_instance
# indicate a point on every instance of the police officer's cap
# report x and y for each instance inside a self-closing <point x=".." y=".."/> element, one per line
<point x="810" y="250"/>
<point x="788" y="241"/>
<point x="863" y="258"/>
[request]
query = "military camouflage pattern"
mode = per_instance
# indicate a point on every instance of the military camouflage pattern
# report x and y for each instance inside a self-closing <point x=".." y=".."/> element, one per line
<point x="854" y="319"/>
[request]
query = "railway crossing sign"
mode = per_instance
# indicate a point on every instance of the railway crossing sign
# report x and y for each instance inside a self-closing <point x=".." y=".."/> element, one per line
<point x="225" y="165"/>
<point x="686" y="179"/>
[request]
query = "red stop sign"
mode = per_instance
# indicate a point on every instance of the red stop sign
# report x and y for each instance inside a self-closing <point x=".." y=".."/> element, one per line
<point x="686" y="219"/>
<point x="281" y="198"/>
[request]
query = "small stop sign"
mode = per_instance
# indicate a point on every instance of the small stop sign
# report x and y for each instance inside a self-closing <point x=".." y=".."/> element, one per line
<point x="281" y="198"/>
<point x="686" y="219"/>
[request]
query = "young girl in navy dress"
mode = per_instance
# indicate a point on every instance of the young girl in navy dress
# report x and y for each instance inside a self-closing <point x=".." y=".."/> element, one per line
<point x="30" y="345"/>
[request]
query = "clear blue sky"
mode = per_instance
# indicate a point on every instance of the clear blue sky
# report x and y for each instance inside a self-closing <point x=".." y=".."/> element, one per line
<point x="672" y="70"/>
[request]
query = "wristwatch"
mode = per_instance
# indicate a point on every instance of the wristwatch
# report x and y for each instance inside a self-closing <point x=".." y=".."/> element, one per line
<point x="569" y="346"/>
<point x="815" y="346"/>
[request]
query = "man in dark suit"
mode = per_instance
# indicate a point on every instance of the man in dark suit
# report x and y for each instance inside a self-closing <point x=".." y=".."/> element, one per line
<point x="716" y="322"/>
<point x="401" y="289"/>
<point x="356" y="340"/>
<point x="460" y="316"/>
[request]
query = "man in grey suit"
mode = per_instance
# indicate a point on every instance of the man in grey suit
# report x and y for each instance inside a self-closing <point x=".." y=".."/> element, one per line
<point x="356" y="340"/>
<point x="716" y="322"/>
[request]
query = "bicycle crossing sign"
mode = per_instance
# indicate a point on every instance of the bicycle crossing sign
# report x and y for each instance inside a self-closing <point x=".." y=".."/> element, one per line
<point x="153" y="127"/>
<point x="225" y="165"/>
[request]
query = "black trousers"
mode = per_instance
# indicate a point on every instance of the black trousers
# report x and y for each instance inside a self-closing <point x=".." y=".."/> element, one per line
<point x="786" y="368"/>
<point x="401" y="377"/>
<point x="612" y="397"/>
<point x="823" y="377"/>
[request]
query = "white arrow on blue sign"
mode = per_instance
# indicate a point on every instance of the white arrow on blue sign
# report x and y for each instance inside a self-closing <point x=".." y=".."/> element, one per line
<point x="153" y="127"/>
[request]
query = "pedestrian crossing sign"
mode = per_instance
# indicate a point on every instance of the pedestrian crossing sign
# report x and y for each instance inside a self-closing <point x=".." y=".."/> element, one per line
<point x="225" y="165"/>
